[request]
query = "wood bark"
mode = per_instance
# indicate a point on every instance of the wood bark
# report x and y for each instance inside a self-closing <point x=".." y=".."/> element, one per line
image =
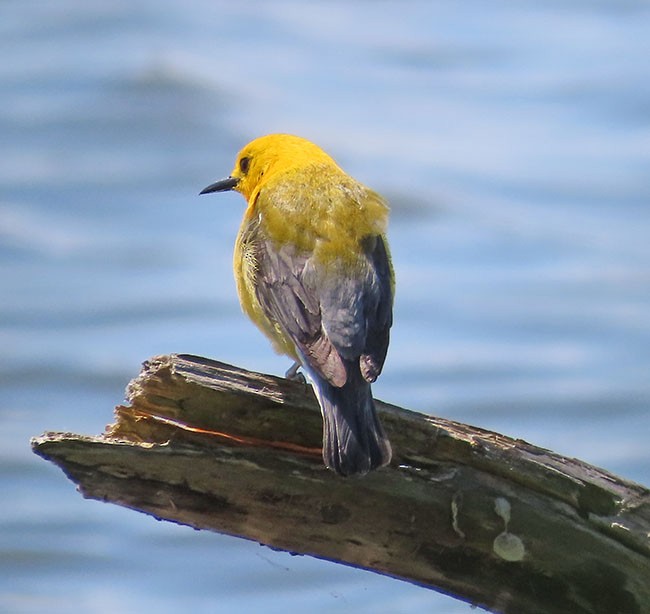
<point x="493" y="521"/>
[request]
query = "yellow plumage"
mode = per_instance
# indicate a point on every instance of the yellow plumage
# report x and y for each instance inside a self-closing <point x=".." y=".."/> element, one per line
<point x="313" y="272"/>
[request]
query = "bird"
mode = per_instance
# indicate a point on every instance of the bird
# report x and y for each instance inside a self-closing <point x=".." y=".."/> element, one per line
<point x="313" y="271"/>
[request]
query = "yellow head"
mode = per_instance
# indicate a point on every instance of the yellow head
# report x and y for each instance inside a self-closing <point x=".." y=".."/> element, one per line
<point x="266" y="157"/>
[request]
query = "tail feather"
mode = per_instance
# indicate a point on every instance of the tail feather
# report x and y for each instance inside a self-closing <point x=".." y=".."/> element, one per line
<point x="354" y="441"/>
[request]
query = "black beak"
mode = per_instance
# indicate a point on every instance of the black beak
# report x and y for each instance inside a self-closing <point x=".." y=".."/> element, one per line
<point x="221" y="186"/>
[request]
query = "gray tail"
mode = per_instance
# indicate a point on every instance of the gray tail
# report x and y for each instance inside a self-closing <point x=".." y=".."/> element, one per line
<point x="354" y="441"/>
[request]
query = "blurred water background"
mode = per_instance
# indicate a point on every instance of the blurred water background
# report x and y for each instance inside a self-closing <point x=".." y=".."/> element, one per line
<point x="513" y="141"/>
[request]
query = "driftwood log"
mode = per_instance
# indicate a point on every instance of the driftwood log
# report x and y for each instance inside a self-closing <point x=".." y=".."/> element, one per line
<point x="493" y="521"/>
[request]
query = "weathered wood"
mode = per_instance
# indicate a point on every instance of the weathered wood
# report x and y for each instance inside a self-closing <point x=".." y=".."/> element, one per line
<point x="491" y="520"/>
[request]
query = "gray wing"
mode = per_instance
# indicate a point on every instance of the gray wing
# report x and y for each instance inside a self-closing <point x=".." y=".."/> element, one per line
<point x="379" y="316"/>
<point x="333" y="317"/>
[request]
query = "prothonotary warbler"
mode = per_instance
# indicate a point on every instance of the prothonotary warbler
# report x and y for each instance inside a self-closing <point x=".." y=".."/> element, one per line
<point x="313" y="271"/>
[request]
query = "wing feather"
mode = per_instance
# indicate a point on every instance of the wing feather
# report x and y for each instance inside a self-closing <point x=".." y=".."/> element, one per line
<point x="336" y="316"/>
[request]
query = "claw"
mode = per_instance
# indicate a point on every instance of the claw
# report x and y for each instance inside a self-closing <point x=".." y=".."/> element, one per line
<point x="294" y="374"/>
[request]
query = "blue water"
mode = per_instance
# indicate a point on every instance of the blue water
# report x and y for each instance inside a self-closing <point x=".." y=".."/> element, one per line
<point x="513" y="141"/>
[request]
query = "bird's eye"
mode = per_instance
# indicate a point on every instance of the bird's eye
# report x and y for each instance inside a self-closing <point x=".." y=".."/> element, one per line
<point x="244" y="164"/>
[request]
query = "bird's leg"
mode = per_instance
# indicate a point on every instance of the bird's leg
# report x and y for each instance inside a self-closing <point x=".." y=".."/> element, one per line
<point x="294" y="375"/>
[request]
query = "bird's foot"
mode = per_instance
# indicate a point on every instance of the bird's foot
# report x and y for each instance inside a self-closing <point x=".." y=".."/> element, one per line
<point x="294" y="374"/>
